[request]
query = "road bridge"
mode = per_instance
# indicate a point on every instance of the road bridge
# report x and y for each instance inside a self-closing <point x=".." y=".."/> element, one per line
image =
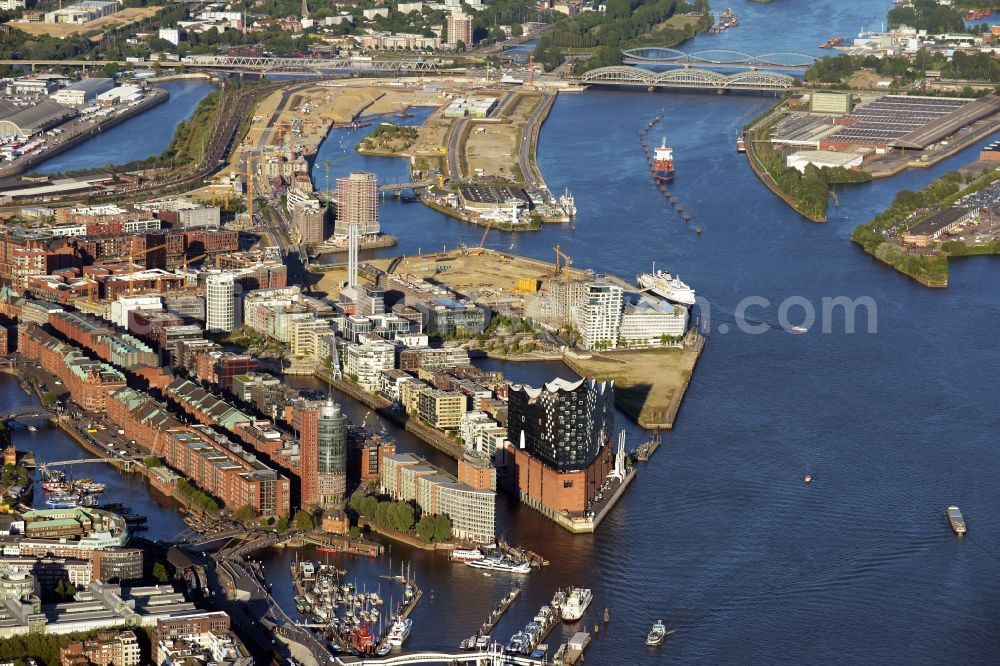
<point x="718" y="58"/>
<point x="638" y="77"/>
<point x="206" y="539"/>
<point x="398" y="187"/>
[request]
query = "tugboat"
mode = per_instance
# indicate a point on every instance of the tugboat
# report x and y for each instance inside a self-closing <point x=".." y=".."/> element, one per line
<point x="663" y="163"/>
<point x="568" y="204"/>
<point x="657" y="634"/>
<point x="741" y="144"/>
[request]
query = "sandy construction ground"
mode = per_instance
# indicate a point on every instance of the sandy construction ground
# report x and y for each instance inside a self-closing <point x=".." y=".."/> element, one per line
<point x="491" y="148"/>
<point x="468" y="274"/>
<point x="63" y="30"/>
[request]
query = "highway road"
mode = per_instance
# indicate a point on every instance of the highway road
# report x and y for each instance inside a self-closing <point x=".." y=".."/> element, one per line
<point x="524" y="157"/>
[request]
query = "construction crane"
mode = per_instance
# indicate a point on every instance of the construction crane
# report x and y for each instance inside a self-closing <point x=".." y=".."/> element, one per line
<point x="187" y="261"/>
<point x="478" y="250"/>
<point x="132" y="265"/>
<point x="566" y="262"/>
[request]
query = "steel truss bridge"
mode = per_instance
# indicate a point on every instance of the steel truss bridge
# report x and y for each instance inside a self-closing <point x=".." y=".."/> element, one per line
<point x="262" y="65"/>
<point x="688" y="78"/>
<point x="317" y="65"/>
<point x="722" y="58"/>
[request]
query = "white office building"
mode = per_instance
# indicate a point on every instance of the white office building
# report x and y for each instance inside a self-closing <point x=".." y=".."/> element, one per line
<point x="650" y="322"/>
<point x="220" y="302"/>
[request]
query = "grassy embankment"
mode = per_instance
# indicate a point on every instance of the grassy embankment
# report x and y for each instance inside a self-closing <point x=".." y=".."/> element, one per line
<point x="928" y="266"/>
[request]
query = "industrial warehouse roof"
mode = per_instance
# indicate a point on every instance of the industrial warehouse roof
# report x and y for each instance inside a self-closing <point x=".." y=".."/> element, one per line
<point x="7" y="108"/>
<point x="89" y="85"/>
<point x="37" y="118"/>
<point x="494" y="195"/>
<point x="947" y="125"/>
<point x="938" y="221"/>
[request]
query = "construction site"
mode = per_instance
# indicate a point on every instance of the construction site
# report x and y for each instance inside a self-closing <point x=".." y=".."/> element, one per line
<point x="650" y="383"/>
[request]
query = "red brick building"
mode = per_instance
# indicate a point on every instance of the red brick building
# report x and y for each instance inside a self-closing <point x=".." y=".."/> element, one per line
<point x="89" y="382"/>
<point x="550" y="491"/>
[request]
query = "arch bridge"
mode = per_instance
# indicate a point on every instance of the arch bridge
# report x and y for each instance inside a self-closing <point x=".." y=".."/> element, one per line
<point x="724" y="58"/>
<point x="688" y="78"/>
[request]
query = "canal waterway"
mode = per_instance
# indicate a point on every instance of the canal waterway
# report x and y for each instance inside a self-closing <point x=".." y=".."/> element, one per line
<point x="137" y="138"/>
<point x="719" y="536"/>
<point x="51" y="444"/>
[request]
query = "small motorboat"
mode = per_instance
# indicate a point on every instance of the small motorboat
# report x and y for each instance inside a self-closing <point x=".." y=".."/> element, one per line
<point x="808" y="479"/>
<point x="32" y="428"/>
<point x="798" y="329"/>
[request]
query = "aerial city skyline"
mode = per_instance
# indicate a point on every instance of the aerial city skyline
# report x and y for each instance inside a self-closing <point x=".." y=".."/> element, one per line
<point x="481" y="332"/>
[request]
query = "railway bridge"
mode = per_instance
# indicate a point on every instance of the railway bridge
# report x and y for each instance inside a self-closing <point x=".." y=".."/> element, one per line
<point x="639" y="77"/>
<point x="263" y="65"/>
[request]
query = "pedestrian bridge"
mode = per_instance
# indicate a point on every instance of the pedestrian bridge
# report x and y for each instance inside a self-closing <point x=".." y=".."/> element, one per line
<point x="63" y="463"/>
<point x="26" y="412"/>
<point x="687" y="78"/>
<point x="724" y="58"/>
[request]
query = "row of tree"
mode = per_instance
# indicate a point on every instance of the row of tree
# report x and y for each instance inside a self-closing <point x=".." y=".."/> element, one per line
<point x="201" y="498"/>
<point x="44" y="648"/>
<point x="401" y="516"/>
<point x="434" y="527"/>
<point x="962" y="65"/>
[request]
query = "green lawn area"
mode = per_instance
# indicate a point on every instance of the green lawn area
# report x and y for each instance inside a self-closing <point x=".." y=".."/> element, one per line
<point x="677" y="22"/>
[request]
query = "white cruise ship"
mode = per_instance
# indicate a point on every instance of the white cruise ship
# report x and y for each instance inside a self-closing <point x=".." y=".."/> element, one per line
<point x="576" y="603"/>
<point x="667" y="286"/>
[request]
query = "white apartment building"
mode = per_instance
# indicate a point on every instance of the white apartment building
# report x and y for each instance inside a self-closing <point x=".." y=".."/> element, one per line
<point x="220" y="302"/>
<point x="481" y="434"/>
<point x="366" y="362"/>
<point x="598" y="318"/>
<point x="305" y="335"/>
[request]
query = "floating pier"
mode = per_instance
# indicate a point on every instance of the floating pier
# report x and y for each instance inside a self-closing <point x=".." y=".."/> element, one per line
<point x="498" y="612"/>
<point x="647" y="448"/>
